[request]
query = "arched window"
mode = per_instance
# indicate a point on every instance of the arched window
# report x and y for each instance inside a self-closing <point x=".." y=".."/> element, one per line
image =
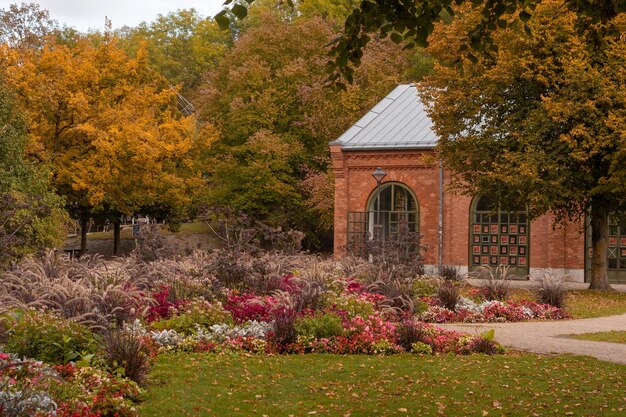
<point x="398" y="206"/>
<point x="498" y="237"/>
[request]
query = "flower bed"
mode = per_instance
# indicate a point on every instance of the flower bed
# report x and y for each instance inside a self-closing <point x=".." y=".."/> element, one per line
<point x="99" y="329"/>
<point x="32" y="388"/>
<point x="493" y="311"/>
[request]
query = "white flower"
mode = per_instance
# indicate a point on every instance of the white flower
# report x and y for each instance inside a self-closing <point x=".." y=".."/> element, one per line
<point x="135" y="328"/>
<point x="21" y="402"/>
<point x="166" y="337"/>
<point x="221" y="332"/>
<point x="465" y="303"/>
<point x="528" y="312"/>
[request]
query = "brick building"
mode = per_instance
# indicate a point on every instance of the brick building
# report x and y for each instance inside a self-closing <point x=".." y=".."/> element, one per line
<point x="397" y="136"/>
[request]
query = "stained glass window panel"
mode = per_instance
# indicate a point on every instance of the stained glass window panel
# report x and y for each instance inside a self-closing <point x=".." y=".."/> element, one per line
<point x="502" y="232"/>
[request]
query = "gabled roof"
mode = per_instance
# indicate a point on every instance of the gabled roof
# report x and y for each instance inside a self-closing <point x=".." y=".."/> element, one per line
<point x="399" y="121"/>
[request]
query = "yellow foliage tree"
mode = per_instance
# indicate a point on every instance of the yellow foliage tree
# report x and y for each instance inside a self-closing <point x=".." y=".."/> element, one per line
<point x="109" y="128"/>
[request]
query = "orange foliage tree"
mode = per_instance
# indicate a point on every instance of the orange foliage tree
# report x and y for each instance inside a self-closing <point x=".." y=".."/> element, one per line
<point x="109" y="129"/>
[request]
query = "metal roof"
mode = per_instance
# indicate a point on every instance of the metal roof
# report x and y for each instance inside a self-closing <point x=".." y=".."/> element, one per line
<point x="399" y="121"/>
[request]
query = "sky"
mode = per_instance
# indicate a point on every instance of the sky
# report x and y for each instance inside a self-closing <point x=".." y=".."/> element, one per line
<point x="89" y="14"/>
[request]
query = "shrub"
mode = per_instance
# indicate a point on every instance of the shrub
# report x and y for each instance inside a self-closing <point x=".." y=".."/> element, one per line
<point x="284" y="318"/>
<point x="424" y="286"/>
<point x="448" y="294"/>
<point x="248" y="306"/>
<point x="397" y="292"/>
<point x="82" y="291"/>
<point x="241" y="271"/>
<point x="242" y="233"/>
<point x="408" y="333"/>
<point x="284" y="328"/>
<point x="164" y="306"/>
<point x="307" y="290"/>
<point x="397" y="255"/>
<point x="486" y="344"/>
<point x="421" y="348"/>
<point x="5" y="325"/>
<point x="221" y="332"/>
<point x="23" y="386"/>
<point x="319" y="326"/>
<point x="419" y="306"/>
<point x="351" y="304"/>
<point x="551" y="289"/>
<point x="91" y="392"/>
<point x="125" y="350"/>
<point x="450" y="272"/>
<point x="496" y="282"/>
<point x="165" y="337"/>
<point x="197" y="313"/>
<point x="49" y="338"/>
<point x="151" y="244"/>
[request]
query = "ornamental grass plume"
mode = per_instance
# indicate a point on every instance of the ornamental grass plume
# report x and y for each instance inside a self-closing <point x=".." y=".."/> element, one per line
<point x="124" y="349"/>
<point x="495" y="283"/>
<point x="448" y="294"/>
<point x="410" y="332"/>
<point x="90" y="294"/>
<point x="551" y="288"/>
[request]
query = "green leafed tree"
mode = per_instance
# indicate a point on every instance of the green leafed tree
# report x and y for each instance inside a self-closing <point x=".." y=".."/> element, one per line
<point x="258" y="177"/>
<point x="272" y="83"/>
<point x="31" y="216"/>
<point x="181" y="46"/>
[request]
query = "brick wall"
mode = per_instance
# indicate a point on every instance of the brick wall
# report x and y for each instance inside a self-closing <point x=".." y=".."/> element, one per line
<point x="561" y="248"/>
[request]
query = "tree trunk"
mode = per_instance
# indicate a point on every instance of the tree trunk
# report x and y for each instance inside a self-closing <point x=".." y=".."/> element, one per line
<point x="116" y="238"/>
<point x="600" y="249"/>
<point x="84" y="222"/>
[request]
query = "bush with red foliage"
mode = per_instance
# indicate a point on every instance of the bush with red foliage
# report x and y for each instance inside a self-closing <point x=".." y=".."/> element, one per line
<point x="248" y="306"/>
<point x="163" y="308"/>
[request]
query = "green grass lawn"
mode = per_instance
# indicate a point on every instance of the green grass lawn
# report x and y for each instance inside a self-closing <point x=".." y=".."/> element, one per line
<point x="613" y="336"/>
<point x="590" y="303"/>
<point x="127" y="232"/>
<point x="190" y="229"/>
<point x="400" y="385"/>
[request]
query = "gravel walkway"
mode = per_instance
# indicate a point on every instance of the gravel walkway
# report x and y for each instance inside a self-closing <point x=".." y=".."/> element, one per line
<point x="549" y="337"/>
